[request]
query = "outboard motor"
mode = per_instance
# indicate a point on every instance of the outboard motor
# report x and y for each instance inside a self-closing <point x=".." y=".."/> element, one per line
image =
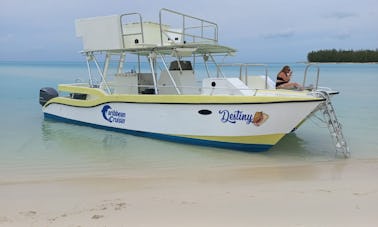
<point x="47" y="93"/>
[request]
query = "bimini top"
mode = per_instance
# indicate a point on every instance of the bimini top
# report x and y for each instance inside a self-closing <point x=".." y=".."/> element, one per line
<point x="129" y="33"/>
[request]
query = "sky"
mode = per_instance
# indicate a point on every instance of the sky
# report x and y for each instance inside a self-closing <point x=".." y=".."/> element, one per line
<point x="261" y="30"/>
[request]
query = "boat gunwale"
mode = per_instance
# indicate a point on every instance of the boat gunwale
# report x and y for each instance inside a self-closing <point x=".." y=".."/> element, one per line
<point x="93" y="103"/>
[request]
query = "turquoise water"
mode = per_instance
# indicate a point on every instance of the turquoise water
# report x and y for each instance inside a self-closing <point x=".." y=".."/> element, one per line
<point x="33" y="148"/>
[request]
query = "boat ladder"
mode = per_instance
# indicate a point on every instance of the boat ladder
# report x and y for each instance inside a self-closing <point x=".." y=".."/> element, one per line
<point x="334" y="126"/>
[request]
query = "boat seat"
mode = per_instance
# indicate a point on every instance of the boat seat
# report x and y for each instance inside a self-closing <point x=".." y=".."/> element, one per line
<point x="258" y="82"/>
<point x="185" y="82"/>
<point x="225" y="86"/>
<point x="125" y="83"/>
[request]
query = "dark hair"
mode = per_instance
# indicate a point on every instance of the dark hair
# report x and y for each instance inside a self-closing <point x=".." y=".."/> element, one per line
<point x="285" y="68"/>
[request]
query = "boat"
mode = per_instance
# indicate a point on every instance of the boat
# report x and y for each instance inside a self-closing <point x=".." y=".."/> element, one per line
<point x="168" y="80"/>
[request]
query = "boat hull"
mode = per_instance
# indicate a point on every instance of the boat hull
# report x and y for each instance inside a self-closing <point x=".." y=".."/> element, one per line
<point x="238" y="126"/>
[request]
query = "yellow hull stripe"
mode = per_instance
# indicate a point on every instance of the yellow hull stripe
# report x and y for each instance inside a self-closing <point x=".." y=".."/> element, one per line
<point x="261" y="139"/>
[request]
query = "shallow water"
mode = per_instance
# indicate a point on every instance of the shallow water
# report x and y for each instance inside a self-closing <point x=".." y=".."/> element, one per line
<point x="34" y="148"/>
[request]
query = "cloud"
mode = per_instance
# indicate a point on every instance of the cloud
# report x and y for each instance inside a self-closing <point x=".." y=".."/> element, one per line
<point x="45" y="29"/>
<point x="280" y="34"/>
<point x="342" y="35"/>
<point x="340" y="15"/>
<point x="6" y="38"/>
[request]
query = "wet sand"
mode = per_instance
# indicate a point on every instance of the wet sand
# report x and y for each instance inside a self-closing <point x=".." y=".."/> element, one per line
<point x="331" y="193"/>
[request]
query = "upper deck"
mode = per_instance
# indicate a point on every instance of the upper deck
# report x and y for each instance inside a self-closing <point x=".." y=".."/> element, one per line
<point x="129" y="33"/>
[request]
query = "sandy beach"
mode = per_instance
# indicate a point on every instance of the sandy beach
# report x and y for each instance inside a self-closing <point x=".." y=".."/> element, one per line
<point x="329" y="193"/>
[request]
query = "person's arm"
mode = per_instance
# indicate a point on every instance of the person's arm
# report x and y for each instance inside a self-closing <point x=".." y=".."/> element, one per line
<point x="285" y="77"/>
<point x="289" y="75"/>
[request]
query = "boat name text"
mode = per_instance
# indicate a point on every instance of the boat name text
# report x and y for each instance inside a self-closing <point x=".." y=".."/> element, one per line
<point x="233" y="117"/>
<point x="112" y="115"/>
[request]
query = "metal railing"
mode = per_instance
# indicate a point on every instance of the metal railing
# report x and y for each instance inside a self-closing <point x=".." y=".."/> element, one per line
<point x="124" y="33"/>
<point x="309" y="65"/>
<point x="244" y="69"/>
<point x="188" y="31"/>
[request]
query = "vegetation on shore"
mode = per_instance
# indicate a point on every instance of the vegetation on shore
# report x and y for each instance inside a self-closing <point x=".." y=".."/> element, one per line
<point x="334" y="55"/>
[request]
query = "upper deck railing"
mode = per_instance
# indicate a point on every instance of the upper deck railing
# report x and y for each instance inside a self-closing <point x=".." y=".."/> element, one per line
<point x="192" y="29"/>
<point x="136" y="34"/>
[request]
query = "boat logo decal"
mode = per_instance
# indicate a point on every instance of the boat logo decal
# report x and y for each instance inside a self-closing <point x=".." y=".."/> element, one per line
<point x="112" y="115"/>
<point x="257" y="118"/>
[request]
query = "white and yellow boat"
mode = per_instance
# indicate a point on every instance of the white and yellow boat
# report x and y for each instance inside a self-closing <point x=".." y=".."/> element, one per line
<point x="184" y="97"/>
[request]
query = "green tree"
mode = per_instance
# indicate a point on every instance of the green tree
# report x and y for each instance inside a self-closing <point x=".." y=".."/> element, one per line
<point x="333" y="55"/>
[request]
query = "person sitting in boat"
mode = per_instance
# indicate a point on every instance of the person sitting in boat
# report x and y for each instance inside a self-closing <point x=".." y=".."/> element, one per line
<point x="283" y="79"/>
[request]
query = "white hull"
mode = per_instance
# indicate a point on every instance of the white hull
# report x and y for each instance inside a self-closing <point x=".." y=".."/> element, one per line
<point x="220" y="123"/>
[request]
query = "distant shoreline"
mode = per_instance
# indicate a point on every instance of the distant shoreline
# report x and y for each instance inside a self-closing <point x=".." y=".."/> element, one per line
<point x="333" y="55"/>
<point x="306" y="62"/>
<point x="83" y="62"/>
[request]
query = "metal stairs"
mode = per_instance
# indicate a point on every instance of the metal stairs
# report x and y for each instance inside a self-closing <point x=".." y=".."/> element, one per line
<point x="334" y="126"/>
